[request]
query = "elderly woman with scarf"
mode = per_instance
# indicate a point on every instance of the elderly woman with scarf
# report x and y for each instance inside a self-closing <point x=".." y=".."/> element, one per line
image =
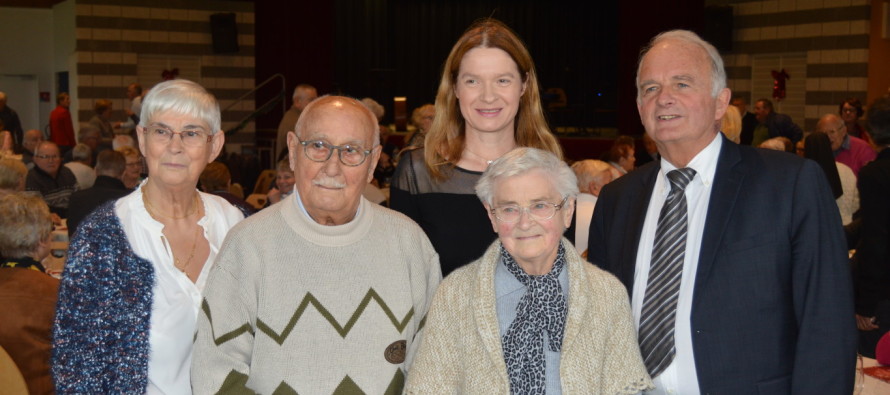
<point x="530" y="316"/>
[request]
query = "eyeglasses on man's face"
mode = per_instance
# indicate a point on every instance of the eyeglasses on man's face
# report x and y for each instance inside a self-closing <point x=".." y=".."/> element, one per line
<point x="320" y="151"/>
<point x="190" y="137"/>
<point x="50" y="157"/>
<point x="540" y="211"/>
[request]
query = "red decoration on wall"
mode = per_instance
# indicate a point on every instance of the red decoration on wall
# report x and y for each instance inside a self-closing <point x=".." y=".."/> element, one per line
<point x="168" y="75"/>
<point x="779" y="78"/>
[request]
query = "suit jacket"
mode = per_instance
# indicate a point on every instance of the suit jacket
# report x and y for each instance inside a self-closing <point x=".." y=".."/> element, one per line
<point x="873" y="250"/>
<point x="749" y="123"/>
<point x="782" y="125"/>
<point x="772" y="310"/>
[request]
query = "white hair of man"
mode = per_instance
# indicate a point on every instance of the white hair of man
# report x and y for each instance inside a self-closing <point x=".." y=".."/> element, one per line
<point x="375" y="108"/>
<point x="304" y="119"/>
<point x="521" y="161"/>
<point x="590" y="171"/>
<point x="718" y="73"/>
<point x="122" y="140"/>
<point x="81" y="152"/>
<point x="182" y="97"/>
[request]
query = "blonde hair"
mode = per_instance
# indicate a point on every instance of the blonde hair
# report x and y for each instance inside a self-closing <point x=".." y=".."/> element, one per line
<point x="12" y="171"/>
<point x="446" y="138"/>
<point x="731" y="124"/>
<point x="25" y="222"/>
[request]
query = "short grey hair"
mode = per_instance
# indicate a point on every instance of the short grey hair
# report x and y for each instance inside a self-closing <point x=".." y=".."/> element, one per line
<point x="718" y="73"/>
<point x="25" y="222"/>
<point x="372" y="120"/>
<point x="183" y="97"/>
<point x="375" y="108"/>
<point x="521" y="161"/>
<point x="81" y="151"/>
<point x="587" y="171"/>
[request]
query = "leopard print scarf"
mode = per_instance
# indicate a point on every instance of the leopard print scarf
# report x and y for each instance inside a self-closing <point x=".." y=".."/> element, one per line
<point x="542" y="308"/>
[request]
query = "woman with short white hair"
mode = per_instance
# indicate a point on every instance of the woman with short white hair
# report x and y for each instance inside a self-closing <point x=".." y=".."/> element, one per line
<point x="530" y="316"/>
<point x="131" y="292"/>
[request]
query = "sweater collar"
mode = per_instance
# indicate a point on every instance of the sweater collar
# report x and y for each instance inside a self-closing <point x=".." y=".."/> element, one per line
<point x="324" y="235"/>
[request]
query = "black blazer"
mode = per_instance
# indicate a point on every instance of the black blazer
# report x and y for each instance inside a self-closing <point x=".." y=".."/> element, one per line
<point x="772" y="311"/>
<point x="84" y="202"/>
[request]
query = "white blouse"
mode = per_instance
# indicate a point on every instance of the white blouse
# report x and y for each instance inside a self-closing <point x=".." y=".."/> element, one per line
<point x="176" y="300"/>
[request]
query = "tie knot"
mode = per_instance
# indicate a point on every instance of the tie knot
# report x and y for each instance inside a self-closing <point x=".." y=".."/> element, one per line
<point x="680" y="178"/>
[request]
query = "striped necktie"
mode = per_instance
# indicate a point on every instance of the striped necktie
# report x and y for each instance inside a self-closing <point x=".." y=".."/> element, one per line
<point x="666" y="269"/>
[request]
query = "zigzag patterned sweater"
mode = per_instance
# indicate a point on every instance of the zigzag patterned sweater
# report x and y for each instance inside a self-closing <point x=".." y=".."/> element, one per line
<point x="292" y="306"/>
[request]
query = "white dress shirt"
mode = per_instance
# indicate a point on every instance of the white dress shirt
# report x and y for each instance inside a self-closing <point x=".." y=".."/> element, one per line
<point x="584" y="204"/>
<point x="680" y="376"/>
<point x="176" y="300"/>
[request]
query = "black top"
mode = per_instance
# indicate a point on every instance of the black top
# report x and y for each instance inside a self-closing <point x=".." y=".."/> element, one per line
<point x="448" y="211"/>
<point x="872" y="274"/>
<point x="84" y="202"/>
<point x="56" y="191"/>
<point x="22" y="263"/>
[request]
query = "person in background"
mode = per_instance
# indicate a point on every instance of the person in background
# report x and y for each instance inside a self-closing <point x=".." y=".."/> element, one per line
<point x="33" y="137"/>
<point x="851" y="151"/>
<point x="131" y="292"/>
<point x="422" y="118"/>
<point x="303" y="95"/>
<point x="621" y="156"/>
<point x="749" y="120"/>
<point x="134" y="94"/>
<point x="81" y="165"/>
<point x="217" y="180"/>
<point x="530" y="316"/>
<point x="649" y="152"/>
<point x="772" y="124"/>
<point x="872" y="259"/>
<point x="53" y="181"/>
<point x="284" y="183"/>
<point x="488" y="103"/>
<point x="592" y="176"/>
<point x="386" y="165"/>
<point x="10" y="119"/>
<point x="61" y="128"/>
<point x="731" y="124"/>
<point x="840" y="177"/>
<point x="850" y="111"/>
<point x="7" y="142"/>
<point x="12" y="174"/>
<point x="102" y="121"/>
<point x="133" y="174"/>
<point x="108" y="186"/>
<point x="27" y="293"/>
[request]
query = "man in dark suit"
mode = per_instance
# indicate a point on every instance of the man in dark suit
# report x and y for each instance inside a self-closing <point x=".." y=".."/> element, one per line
<point x="749" y="120"/>
<point x="110" y="166"/>
<point x="772" y="124"/>
<point x="872" y="253"/>
<point x="758" y="297"/>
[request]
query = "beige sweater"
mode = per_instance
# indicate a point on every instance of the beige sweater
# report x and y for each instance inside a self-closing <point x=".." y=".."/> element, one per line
<point x="294" y="306"/>
<point x="461" y="349"/>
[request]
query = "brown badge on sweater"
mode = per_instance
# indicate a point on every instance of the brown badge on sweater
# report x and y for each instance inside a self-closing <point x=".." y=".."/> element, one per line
<point x="395" y="353"/>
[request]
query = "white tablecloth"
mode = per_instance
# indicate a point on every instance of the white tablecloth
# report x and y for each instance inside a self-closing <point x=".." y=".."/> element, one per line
<point x="867" y="385"/>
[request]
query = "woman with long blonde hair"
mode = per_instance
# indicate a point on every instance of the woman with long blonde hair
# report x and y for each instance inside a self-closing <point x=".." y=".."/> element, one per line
<point x="488" y="103"/>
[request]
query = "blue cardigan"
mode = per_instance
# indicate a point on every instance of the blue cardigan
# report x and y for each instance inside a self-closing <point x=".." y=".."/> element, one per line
<point x="101" y="330"/>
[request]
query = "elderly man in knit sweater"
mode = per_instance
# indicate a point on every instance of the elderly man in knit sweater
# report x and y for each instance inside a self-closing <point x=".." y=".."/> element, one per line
<point x="323" y="292"/>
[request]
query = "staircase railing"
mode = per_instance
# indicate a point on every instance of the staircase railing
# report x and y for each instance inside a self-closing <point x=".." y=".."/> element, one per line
<point x="280" y="97"/>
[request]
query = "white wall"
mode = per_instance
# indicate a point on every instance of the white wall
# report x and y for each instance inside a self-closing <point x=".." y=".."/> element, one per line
<point x="27" y="52"/>
<point x="64" y="54"/>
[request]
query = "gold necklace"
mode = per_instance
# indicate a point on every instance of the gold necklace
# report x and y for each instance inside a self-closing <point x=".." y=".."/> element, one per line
<point x="487" y="161"/>
<point x="153" y="211"/>
<point x="177" y="262"/>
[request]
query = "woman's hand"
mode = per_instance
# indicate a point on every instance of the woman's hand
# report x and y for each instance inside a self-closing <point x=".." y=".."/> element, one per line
<point x="865" y="323"/>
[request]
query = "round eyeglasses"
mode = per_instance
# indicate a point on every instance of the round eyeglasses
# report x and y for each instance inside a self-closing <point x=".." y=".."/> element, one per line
<point x="164" y="135"/>
<point x="538" y="210"/>
<point x="320" y="151"/>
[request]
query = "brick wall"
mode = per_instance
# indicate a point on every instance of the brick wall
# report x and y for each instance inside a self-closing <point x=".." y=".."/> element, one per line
<point x="116" y="37"/>
<point x="833" y="34"/>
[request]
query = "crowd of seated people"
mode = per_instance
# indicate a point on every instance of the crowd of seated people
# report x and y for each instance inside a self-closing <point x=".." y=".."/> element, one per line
<point x="328" y="278"/>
